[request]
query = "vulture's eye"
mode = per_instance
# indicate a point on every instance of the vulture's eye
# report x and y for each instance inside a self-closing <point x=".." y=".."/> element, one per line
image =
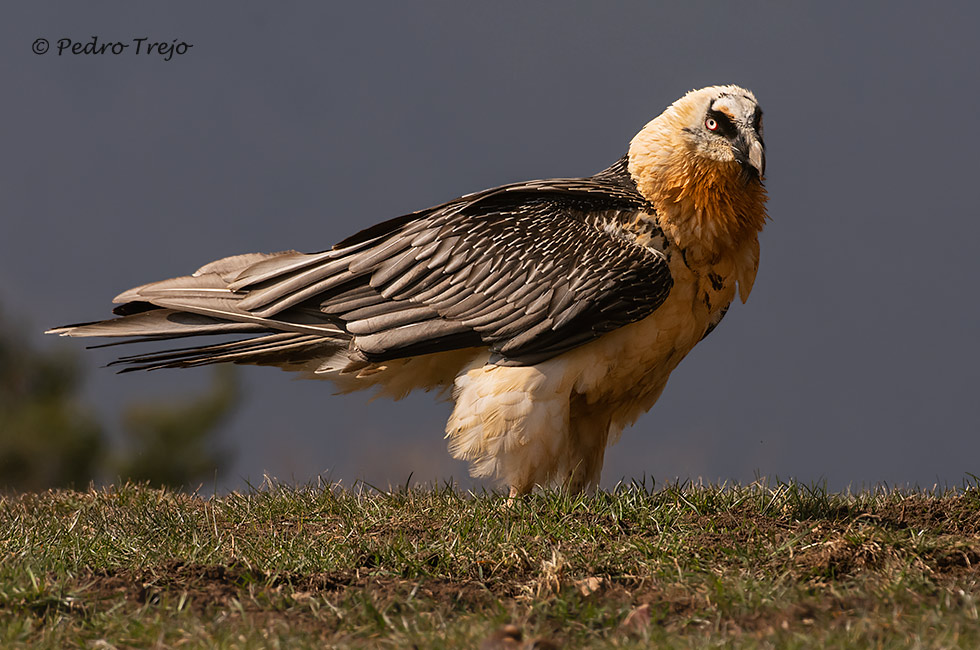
<point x="711" y="123"/>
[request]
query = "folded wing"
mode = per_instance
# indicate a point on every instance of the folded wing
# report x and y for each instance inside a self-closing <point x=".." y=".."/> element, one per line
<point x="528" y="270"/>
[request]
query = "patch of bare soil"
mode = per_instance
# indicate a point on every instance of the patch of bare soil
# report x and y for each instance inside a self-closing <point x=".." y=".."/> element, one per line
<point x="269" y="601"/>
<point x="206" y="587"/>
<point x="956" y="515"/>
<point x="199" y="585"/>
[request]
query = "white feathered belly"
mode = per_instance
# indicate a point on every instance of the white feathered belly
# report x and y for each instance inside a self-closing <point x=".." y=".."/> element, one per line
<point x="534" y="425"/>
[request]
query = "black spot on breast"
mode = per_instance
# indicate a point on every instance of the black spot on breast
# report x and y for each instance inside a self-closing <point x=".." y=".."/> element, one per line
<point x="717" y="282"/>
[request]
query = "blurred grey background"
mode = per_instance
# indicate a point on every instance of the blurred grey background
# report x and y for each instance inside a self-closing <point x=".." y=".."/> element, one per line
<point x="293" y="125"/>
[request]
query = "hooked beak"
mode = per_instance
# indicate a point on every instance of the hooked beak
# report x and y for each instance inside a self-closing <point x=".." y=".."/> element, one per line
<point x="750" y="152"/>
<point x="757" y="157"/>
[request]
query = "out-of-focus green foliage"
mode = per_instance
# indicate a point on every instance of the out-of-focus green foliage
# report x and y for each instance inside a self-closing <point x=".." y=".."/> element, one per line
<point x="47" y="437"/>
<point x="50" y="439"/>
<point x="171" y="444"/>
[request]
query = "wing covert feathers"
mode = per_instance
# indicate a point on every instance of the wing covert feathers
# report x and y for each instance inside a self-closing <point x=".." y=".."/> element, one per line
<point x="529" y="270"/>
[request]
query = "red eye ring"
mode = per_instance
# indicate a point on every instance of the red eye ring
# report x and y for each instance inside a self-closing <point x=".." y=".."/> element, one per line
<point x="711" y="124"/>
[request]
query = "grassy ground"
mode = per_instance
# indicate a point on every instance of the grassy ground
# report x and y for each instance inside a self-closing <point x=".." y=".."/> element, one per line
<point x="768" y="565"/>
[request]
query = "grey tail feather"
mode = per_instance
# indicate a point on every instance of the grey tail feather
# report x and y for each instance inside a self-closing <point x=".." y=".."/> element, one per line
<point x="287" y="350"/>
<point x="157" y="323"/>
